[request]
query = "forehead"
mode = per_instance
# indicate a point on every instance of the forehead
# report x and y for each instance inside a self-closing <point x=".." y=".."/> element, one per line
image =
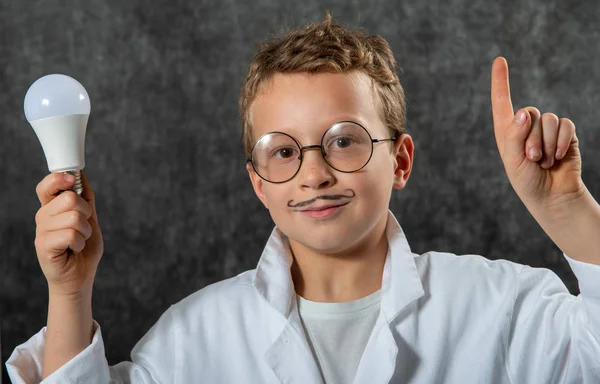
<point x="305" y="105"/>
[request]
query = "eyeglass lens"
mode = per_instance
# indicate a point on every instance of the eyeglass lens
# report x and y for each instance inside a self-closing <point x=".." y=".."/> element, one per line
<point x="276" y="156"/>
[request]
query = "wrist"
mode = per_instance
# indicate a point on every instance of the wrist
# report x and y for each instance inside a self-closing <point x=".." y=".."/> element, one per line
<point x="574" y="227"/>
<point x="565" y="208"/>
<point x="66" y="293"/>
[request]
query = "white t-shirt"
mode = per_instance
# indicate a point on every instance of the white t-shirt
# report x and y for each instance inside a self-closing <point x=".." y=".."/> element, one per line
<point x="338" y="333"/>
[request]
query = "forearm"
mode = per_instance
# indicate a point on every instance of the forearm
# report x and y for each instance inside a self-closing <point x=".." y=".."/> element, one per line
<point x="69" y="330"/>
<point x="574" y="228"/>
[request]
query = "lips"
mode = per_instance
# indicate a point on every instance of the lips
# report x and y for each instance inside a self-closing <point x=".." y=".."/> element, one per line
<point x="322" y="208"/>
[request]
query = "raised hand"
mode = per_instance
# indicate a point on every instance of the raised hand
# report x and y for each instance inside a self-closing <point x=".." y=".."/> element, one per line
<point x="540" y="152"/>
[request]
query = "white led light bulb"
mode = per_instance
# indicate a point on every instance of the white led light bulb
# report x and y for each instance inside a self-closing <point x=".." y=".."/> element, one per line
<point x="58" y="108"/>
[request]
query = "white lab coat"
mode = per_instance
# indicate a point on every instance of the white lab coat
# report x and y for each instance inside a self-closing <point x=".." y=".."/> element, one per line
<point x="443" y="319"/>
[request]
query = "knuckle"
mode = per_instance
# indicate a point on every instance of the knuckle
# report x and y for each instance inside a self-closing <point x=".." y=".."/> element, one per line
<point x="88" y="230"/>
<point x="38" y="242"/>
<point x="533" y="110"/>
<point x="80" y="243"/>
<point x="85" y="209"/>
<point x="47" y="183"/>
<point x="38" y="216"/>
<point x="534" y="139"/>
<point x="55" y="178"/>
<point x="76" y="247"/>
<point x="70" y="199"/>
<point x="567" y="121"/>
<point x="550" y="116"/>
<point x="72" y="236"/>
<point x="74" y="219"/>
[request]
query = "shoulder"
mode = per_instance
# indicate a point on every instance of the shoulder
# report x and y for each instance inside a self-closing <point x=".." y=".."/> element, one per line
<point x="461" y="265"/>
<point x="224" y="290"/>
<point x="208" y="315"/>
<point x="470" y="273"/>
<point x="228" y="298"/>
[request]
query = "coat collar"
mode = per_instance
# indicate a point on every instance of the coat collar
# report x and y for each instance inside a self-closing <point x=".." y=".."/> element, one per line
<point x="401" y="283"/>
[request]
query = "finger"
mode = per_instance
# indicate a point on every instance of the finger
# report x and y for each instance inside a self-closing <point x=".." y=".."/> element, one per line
<point x="51" y="186"/>
<point x="89" y="195"/>
<point x="566" y="133"/>
<point x="514" y="139"/>
<point x="65" y="202"/>
<point x="502" y="108"/>
<point x="533" y="144"/>
<point x="58" y="242"/>
<point x="549" y="137"/>
<point x="67" y="220"/>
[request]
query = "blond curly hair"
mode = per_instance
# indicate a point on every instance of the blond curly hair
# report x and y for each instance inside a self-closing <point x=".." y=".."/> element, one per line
<point x="327" y="47"/>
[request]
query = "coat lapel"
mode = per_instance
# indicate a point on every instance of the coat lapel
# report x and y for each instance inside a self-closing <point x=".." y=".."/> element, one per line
<point x="401" y="285"/>
<point x="290" y="356"/>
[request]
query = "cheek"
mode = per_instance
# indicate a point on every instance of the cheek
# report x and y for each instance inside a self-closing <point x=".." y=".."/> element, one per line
<point x="275" y="194"/>
<point x="374" y="189"/>
<point x="377" y="185"/>
<point x="380" y="174"/>
<point x="277" y="198"/>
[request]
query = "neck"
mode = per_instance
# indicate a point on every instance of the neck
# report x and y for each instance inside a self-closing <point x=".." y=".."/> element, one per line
<point x="340" y="277"/>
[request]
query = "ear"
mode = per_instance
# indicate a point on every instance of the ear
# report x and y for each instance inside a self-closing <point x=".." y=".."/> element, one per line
<point x="257" y="184"/>
<point x="403" y="160"/>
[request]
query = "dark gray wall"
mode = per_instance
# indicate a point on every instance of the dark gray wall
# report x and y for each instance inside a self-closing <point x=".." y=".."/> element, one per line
<point x="164" y="157"/>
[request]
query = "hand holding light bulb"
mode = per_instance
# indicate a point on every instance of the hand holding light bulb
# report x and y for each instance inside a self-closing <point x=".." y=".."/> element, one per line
<point x="68" y="240"/>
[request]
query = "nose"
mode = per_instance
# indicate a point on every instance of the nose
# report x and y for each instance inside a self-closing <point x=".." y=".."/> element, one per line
<point x="314" y="172"/>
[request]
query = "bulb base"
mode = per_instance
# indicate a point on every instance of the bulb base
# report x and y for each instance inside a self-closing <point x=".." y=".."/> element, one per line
<point x="78" y="186"/>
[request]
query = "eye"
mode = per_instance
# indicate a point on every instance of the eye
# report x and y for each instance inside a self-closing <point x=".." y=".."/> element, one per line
<point x="283" y="153"/>
<point x="341" y="142"/>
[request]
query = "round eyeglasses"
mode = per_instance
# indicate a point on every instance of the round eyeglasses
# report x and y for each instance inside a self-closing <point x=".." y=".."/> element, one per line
<point x="346" y="146"/>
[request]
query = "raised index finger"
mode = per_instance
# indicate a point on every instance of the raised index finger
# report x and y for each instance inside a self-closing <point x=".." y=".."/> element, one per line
<point x="502" y="108"/>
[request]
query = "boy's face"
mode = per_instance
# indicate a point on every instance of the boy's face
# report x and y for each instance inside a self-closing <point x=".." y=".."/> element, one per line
<point x="304" y="106"/>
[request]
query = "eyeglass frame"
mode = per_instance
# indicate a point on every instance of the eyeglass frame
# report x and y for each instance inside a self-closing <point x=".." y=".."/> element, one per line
<point x="315" y="146"/>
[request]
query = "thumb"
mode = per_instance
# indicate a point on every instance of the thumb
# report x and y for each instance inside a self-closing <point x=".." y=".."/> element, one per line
<point x="512" y="148"/>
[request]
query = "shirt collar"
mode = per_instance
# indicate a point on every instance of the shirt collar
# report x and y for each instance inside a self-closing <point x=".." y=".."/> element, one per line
<point x="401" y="283"/>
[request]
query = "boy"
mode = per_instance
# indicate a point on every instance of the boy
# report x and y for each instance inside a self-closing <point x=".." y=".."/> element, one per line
<point x="337" y="295"/>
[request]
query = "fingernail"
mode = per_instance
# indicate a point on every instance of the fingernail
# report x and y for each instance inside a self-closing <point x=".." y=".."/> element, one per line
<point x="69" y="178"/>
<point x="520" y="118"/>
<point x="534" y="153"/>
<point x="558" y="154"/>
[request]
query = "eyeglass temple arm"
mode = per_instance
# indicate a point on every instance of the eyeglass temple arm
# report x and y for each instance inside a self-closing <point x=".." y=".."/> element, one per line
<point x="390" y="139"/>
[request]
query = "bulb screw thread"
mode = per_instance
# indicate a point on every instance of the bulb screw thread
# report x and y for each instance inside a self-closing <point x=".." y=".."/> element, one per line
<point x="78" y="186"/>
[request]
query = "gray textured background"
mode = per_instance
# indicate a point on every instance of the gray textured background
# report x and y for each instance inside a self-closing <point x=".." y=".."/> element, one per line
<point x="164" y="156"/>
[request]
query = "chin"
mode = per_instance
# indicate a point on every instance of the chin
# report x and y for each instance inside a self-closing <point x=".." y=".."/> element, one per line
<point x="329" y="236"/>
<point x="326" y="240"/>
